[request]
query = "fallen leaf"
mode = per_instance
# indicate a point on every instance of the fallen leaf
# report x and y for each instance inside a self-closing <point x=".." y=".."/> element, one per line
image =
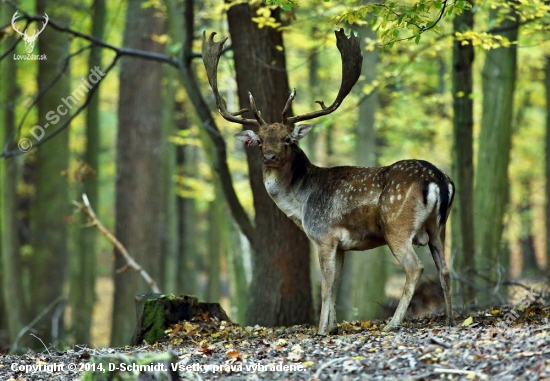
<point x="234" y="353"/>
<point x="468" y="321"/>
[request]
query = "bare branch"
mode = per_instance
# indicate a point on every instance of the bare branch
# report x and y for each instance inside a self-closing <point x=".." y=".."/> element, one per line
<point x="87" y="209"/>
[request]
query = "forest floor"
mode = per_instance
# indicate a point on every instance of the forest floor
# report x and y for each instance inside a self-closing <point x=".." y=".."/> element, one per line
<point x="507" y="343"/>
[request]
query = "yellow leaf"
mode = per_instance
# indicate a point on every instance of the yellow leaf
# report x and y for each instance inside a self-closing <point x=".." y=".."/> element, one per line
<point x="279" y="48"/>
<point x="307" y="363"/>
<point x="495" y="312"/>
<point x="460" y="94"/>
<point x="233" y="353"/>
<point x="467" y="322"/>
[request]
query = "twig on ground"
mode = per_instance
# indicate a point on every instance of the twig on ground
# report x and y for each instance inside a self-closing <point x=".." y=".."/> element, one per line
<point x="25" y="329"/>
<point x="47" y="350"/>
<point x="460" y="371"/>
<point x="327" y="364"/>
<point x="87" y="209"/>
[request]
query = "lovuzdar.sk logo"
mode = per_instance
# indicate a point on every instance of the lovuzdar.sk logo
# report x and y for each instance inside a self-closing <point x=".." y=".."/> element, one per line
<point x="29" y="40"/>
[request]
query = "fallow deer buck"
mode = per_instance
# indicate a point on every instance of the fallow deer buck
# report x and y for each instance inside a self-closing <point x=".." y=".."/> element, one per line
<point x="347" y="208"/>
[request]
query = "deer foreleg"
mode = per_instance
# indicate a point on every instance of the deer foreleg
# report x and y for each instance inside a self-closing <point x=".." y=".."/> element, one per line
<point x="331" y="261"/>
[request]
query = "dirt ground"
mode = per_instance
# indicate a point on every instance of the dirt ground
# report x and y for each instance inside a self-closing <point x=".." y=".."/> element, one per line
<point x="507" y="343"/>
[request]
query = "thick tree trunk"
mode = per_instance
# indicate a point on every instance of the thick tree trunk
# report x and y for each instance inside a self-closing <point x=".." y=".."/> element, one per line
<point x="138" y="186"/>
<point x="280" y="292"/>
<point x="491" y="180"/>
<point x="462" y="226"/>
<point x="51" y="206"/>
<point x="84" y="260"/>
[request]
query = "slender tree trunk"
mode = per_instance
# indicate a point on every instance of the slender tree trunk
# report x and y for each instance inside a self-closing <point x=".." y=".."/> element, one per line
<point x="13" y="294"/>
<point x="310" y="141"/>
<point x="491" y="181"/>
<point x="186" y="158"/>
<point x="216" y="244"/>
<point x="237" y="276"/>
<point x="526" y="239"/>
<point x="547" y="187"/>
<point x="187" y="227"/>
<point x="50" y="206"/>
<point x="280" y="292"/>
<point x="84" y="260"/>
<point x="462" y="226"/>
<point x="362" y="292"/>
<point x="138" y="187"/>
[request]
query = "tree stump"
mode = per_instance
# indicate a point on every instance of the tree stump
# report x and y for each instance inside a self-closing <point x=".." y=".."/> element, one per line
<point x="156" y="312"/>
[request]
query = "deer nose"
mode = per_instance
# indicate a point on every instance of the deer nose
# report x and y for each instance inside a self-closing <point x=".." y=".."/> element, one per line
<point x="269" y="157"/>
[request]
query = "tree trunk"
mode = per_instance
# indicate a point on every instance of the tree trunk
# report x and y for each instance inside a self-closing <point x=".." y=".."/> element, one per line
<point x="13" y="294"/>
<point x="462" y="226"/>
<point x="138" y="186"/>
<point x="51" y="207"/>
<point x="547" y="187"/>
<point x="491" y="181"/>
<point x="216" y="245"/>
<point x="280" y="292"/>
<point x="84" y="260"/>
<point x="186" y="157"/>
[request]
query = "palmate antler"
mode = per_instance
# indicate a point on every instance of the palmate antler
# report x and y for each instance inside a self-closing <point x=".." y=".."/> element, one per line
<point x="352" y="59"/>
<point x="211" y="52"/>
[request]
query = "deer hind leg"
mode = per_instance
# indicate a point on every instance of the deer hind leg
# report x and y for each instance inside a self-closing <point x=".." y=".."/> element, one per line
<point x="331" y="261"/>
<point x="437" y="248"/>
<point x="403" y="250"/>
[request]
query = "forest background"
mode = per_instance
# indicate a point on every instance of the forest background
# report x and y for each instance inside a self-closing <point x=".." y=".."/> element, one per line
<point x="463" y="84"/>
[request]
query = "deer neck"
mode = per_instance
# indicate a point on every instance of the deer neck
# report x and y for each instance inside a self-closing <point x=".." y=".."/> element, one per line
<point x="287" y="184"/>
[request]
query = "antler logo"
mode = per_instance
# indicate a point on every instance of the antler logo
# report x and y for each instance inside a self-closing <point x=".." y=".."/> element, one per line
<point x="29" y="40"/>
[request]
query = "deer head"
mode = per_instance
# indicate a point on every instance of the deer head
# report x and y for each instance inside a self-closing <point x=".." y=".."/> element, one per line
<point x="276" y="139"/>
<point x="29" y="40"/>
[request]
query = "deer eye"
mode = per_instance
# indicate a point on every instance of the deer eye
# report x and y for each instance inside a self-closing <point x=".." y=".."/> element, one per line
<point x="287" y="140"/>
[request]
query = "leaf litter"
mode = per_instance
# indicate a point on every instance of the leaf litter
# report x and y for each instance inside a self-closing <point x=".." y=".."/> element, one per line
<point x="481" y="346"/>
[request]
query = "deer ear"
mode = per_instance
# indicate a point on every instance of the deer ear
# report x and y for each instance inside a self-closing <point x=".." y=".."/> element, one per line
<point x="248" y="137"/>
<point x="300" y="131"/>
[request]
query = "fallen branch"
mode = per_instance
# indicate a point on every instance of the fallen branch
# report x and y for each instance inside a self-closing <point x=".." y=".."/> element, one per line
<point x="460" y="371"/>
<point x="87" y="209"/>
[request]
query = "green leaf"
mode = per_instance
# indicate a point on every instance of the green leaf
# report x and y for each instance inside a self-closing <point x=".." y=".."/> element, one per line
<point x="417" y="39"/>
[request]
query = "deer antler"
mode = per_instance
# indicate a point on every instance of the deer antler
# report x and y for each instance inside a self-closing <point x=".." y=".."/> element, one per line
<point x="46" y="19"/>
<point x="13" y="20"/>
<point x="351" y="69"/>
<point x="24" y="34"/>
<point x="211" y="52"/>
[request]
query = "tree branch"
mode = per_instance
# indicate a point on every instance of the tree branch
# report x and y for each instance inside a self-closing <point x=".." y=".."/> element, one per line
<point x="87" y="209"/>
